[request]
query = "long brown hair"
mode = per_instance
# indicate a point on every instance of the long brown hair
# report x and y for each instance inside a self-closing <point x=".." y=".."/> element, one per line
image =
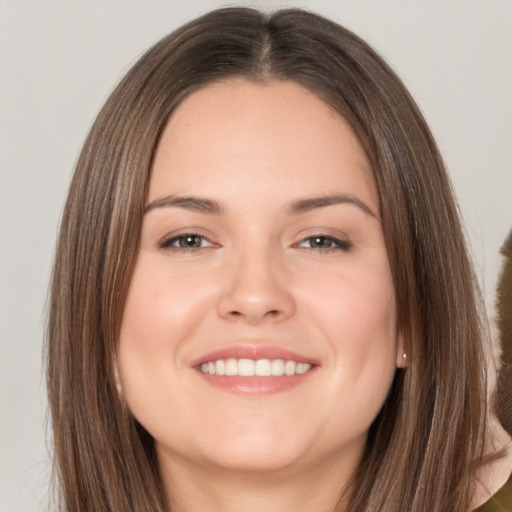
<point x="426" y="442"/>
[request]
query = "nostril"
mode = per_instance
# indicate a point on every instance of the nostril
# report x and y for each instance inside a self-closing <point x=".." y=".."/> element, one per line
<point x="254" y="317"/>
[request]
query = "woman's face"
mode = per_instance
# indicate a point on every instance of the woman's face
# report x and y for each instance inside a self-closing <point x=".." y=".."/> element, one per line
<point x="262" y="259"/>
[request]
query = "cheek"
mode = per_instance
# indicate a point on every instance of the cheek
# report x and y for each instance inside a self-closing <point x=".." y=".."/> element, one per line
<point x="162" y="305"/>
<point x="162" y="311"/>
<point x="356" y="313"/>
<point x="356" y="308"/>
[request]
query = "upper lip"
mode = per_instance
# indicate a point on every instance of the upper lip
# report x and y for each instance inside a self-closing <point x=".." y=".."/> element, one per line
<point x="255" y="352"/>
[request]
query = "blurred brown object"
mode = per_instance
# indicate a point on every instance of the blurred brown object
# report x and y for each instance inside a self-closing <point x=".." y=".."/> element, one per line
<point x="504" y="323"/>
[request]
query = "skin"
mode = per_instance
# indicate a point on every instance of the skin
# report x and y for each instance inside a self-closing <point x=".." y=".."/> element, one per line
<point x="493" y="475"/>
<point x="258" y="278"/>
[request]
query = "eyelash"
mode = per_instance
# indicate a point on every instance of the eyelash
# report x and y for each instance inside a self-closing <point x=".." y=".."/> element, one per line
<point x="337" y="244"/>
<point x="167" y="243"/>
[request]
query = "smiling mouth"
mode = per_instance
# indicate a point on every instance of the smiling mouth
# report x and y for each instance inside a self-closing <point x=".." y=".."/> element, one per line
<point x="254" y="368"/>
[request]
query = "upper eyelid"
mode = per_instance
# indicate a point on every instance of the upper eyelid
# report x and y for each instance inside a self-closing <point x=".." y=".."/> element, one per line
<point x="190" y="231"/>
<point x="322" y="232"/>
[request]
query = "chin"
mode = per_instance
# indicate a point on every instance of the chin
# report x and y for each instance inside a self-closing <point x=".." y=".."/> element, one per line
<point x="252" y="462"/>
<point x="254" y="451"/>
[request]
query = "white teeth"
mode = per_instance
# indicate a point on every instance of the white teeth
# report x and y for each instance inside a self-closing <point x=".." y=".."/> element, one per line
<point x="302" y="368"/>
<point x="277" y="367"/>
<point x="263" y="368"/>
<point x="231" y="367"/>
<point x="246" y="367"/>
<point x="220" y="367"/>
<point x="251" y="368"/>
<point x="289" y="367"/>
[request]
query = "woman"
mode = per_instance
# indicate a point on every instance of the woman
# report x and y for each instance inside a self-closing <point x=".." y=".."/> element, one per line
<point x="261" y="296"/>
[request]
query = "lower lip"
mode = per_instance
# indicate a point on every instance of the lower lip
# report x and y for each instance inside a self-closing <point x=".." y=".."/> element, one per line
<point x="256" y="385"/>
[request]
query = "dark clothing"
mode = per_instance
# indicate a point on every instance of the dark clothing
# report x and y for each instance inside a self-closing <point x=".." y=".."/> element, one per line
<point x="501" y="501"/>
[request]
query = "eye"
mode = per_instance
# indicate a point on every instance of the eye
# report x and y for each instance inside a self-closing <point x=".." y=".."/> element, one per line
<point x="186" y="242"/>
<point x="324" y="243"/>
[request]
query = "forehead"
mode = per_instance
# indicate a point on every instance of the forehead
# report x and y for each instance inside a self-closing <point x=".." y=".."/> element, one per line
<point x="256" y="135"/>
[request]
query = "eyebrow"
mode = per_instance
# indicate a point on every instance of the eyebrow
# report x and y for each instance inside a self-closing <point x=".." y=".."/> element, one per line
<point x="195" y="204"/>
<point x="306" y="205"/>
<point x="210" y="206"/>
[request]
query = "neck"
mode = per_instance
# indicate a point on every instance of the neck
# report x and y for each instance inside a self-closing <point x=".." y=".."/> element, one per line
<point x="493" y="474"/>
<point x="195" y="487"/>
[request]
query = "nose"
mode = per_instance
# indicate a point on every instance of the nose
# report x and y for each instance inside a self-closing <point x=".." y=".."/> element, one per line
<point x="256" y="291"/>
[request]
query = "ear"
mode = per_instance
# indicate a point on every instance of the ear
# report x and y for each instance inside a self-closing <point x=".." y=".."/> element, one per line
<point x="401" y="352"/>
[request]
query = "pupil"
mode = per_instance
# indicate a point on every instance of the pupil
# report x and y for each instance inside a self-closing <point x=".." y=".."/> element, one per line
<point x="190" y="241"/>
<point x="321" y="241"/>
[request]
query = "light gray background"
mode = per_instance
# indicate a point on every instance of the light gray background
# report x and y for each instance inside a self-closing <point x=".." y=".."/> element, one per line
<point x="60" y="59"/>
